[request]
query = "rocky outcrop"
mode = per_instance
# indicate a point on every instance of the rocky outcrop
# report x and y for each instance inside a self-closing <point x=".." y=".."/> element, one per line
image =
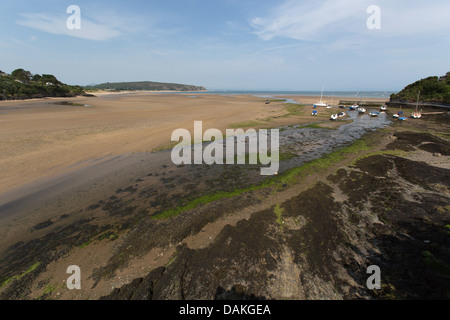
<point x="384" y="210"/>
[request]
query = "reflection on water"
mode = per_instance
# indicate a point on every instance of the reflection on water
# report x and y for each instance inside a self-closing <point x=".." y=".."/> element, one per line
<point x="307" y="144"/>
<point x="297" y="144"/>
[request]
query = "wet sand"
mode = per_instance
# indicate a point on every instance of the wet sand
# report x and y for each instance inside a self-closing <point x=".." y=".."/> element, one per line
<point x="61" y="157"/>
<point x="42" y="139"/>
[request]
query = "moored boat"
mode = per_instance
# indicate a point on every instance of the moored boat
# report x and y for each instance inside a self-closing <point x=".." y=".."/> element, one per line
<point x="320" y="103"/>
<point x="353" y="107"/>
<point x="417" y="114"/>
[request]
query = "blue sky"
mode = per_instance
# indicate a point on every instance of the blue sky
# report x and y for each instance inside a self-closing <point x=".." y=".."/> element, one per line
<point x="230" y="44"/>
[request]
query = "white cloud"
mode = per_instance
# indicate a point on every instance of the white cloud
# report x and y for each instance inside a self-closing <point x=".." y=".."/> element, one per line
<point x="307" y="20"/>
<point x="56" y="24"/>
<point x="331" y="19"/>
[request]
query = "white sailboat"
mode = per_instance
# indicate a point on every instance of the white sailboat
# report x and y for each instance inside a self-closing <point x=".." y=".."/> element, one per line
<point x="360" y="108"/>
<point x="329" y="107"/>
<point x="320" y="103"/>
<point x="417" y="114"/>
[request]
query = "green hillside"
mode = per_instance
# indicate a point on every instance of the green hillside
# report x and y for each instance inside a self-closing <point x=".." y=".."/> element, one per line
<point x="145" y="85"/>
<point x="432" y="89"/>
<point x="21" y="84"/>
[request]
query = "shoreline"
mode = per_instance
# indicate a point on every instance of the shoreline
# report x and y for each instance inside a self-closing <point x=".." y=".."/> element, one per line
<point x="150" y="120"/>
<point x="261" y="94"/>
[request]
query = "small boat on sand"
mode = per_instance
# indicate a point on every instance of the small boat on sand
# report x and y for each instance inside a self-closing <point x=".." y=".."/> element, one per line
<point x="383" y="108"/>
<point x="374" y="114"/>
<point x="330" y="105"/>
<point x="320" y="103"/>
<point x="417" y="114"/>
<point x="334" y="117"/>
<point x="314" y="113"/>
<point x="361" y="110"/>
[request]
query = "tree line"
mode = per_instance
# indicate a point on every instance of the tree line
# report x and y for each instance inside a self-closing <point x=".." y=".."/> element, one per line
<point x="432" y="89"/>
<point x="22" y="84"/>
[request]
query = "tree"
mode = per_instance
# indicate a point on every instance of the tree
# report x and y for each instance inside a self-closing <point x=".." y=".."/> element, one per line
<point x="36" y="78"/>
<point x="49" y="78"/>
<point x="22" y="75"/>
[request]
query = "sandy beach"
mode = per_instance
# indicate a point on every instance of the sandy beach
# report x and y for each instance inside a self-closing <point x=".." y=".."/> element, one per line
<point x="41" y="138"/>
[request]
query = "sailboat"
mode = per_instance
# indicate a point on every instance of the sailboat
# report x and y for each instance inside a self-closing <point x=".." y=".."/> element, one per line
<point x="329" y="107"/>
<point x="320" y="103"/>
<point x="360" y="108"/>
<point x="417" y="114"/>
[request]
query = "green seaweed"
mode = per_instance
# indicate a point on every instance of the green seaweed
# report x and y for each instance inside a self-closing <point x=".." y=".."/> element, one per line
<point x="279" y="213"/>
<point x="277" y="181"/>
<point x="435" y="263"/>
<point x="20" y="276"/>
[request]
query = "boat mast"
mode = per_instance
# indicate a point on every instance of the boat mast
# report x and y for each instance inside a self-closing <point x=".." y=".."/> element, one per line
<point x="417" y="102"/>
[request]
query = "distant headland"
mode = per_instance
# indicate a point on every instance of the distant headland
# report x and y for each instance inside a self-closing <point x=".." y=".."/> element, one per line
<point x="144" y="86"/>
